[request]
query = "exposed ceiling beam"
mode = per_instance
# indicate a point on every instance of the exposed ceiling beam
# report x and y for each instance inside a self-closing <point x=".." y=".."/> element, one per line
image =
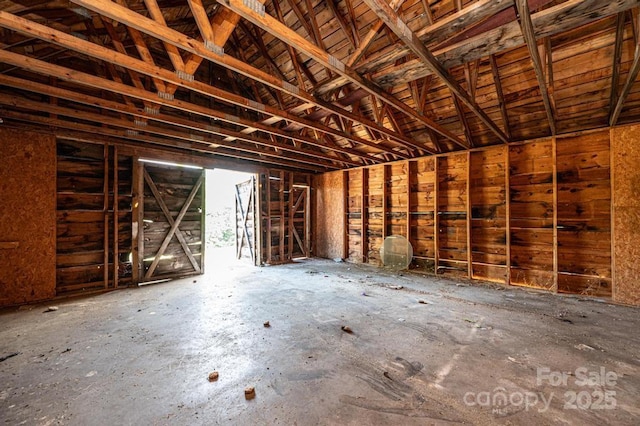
<point x="164" y="33"/>
<point x="562" y="17"/>
<point x="631" y="78"/>
<point x="475" y="12"/>
<point x="24" y="26"/>
<point x="371" y="35"/>
<point x="77" y="77"/>
<point x="395" y="23"/>
<point x="529" y="36"/>
<point x="100" y="131"/>
<point x="204" y="138"/>
<point x="281" y="31"/>
<point x="617" y="55"/>
<point x="501" y="101"/>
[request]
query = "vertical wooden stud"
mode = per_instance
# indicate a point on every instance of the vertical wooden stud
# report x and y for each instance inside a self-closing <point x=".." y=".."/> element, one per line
<point x="345" y="221"/>
<point x="364" y="241"/>
<point x="116" y="221"/>
<point x="507" y="195"/>
<point x="436" y="216"/>
<point x="555" y="214"/>
<point x="469" y="254"/>
<point x="289" y="206"/>
<point x="105" y="210"/>
<point x="612" y="155"/>
<point x="385" y="202"/>
<point x="203" y="219"/>
<point x="283" y="217"/>
<point x="410" y="169"/>
<point x="135" y="223"/>
<point x="257" y="188"/>
<point x="267" y="215"/>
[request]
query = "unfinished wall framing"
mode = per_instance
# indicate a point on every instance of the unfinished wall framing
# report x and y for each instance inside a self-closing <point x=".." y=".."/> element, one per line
<point x="534" y="214"/>
<point x="285" y="220"/>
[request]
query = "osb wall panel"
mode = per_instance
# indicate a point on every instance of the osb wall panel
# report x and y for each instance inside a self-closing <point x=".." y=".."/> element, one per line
<point x="28" y="212"/>
<point x="625" y="146"/>
<point x="330" y="215"/>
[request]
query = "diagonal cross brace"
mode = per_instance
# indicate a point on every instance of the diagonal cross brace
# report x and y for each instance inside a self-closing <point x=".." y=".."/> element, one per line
<point x="174" y="223"/>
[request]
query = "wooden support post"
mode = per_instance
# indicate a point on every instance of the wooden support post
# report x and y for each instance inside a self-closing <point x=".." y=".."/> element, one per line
<point x="555" y="214"/>
<point x="136" y="220"/>
<point x="436" y="217"/>
<point x="410" y="169"/>
<point x="267" y="215"/>
<point x="283" y="217"/>
<point x="385" y="203"/>
<point x="345" y="223"/>
<point x="612" y="162"/>
<point x="307" y="220"/>
<point x="508" y="214"/>
<point x="203" y="219"/>
<point x="364" y="241"/>
<point x="290" y="204"/>
<point x="116" y="222"/>
<point x="105" y="210"/>
<point x="469" y="227"/>
<point x="256" y="187"/>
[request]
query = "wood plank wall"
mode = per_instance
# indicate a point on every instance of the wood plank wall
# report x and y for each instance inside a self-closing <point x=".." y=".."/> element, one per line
<point x="534" y="214"/>
<point x="92" y="202"/>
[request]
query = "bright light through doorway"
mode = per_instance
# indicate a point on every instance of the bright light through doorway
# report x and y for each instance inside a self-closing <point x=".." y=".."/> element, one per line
<point x="220" y="214"/>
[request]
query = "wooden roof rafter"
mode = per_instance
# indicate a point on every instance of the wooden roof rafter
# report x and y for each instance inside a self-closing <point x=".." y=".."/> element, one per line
<point x="411" y="40"/>
<point x="164" y="33"/>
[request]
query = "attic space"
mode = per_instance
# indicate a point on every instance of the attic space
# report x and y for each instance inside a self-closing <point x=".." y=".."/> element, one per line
<point x="438" y="220"/>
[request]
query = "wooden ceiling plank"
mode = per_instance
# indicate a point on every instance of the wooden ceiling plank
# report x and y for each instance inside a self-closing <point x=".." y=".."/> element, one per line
<point x="302" y="19"/>
<point x="631" y="78"/>
<point x="462" y="118"/>
<point x="371" y="35"/>
<point x="279" y="30"/>
<point x="128" y="17"/>
<point x="393" y="21"/>
<point x="344" y="26"/>
<point x="470" y="15"/>
<point x="562" y="17"/>
<point x="501" y="102"/>
<point x="100" y="83"/>
<point x="617" y="55"/>
<point x="292" y="54"/>
<point x="91" y="49"/>
<point x="529" y="36"/>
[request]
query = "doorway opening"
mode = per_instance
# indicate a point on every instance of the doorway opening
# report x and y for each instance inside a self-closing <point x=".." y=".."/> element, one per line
<point x="223" y="220"/>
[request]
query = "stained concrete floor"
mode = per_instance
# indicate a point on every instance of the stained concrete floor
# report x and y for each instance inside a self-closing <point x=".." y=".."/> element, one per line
<point x="470" y="354"/>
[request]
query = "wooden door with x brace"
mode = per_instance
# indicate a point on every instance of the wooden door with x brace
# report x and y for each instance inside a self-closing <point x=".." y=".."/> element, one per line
<point x="172" y="238"/>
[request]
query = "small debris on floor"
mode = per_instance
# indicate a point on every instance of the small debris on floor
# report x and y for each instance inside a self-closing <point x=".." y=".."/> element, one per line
<point x="583" y="347"/>
<point x="338" y="260"/>
<point x="213" y="376"/>
<point x="346" y="329"/>
<point x="395" y="287"/>
<point x="469" y="320"/>
<point x="312" y="272"/>
<point x="364" y="293"/>
<point x="6" y="357"/>
<point x="422" y="302"/>
<point x="66" y="350"/>
<point x="386" y="374"/>
<point x="51" y="309"/>
<point x="249" y="392"/>
<point x="267" y="324"/>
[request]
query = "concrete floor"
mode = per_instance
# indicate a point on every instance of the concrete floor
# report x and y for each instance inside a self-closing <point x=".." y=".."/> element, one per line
<point x="143" y="356"/>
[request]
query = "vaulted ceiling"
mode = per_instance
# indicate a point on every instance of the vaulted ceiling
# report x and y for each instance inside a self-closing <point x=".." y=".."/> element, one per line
<point x="318" y="85"/>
